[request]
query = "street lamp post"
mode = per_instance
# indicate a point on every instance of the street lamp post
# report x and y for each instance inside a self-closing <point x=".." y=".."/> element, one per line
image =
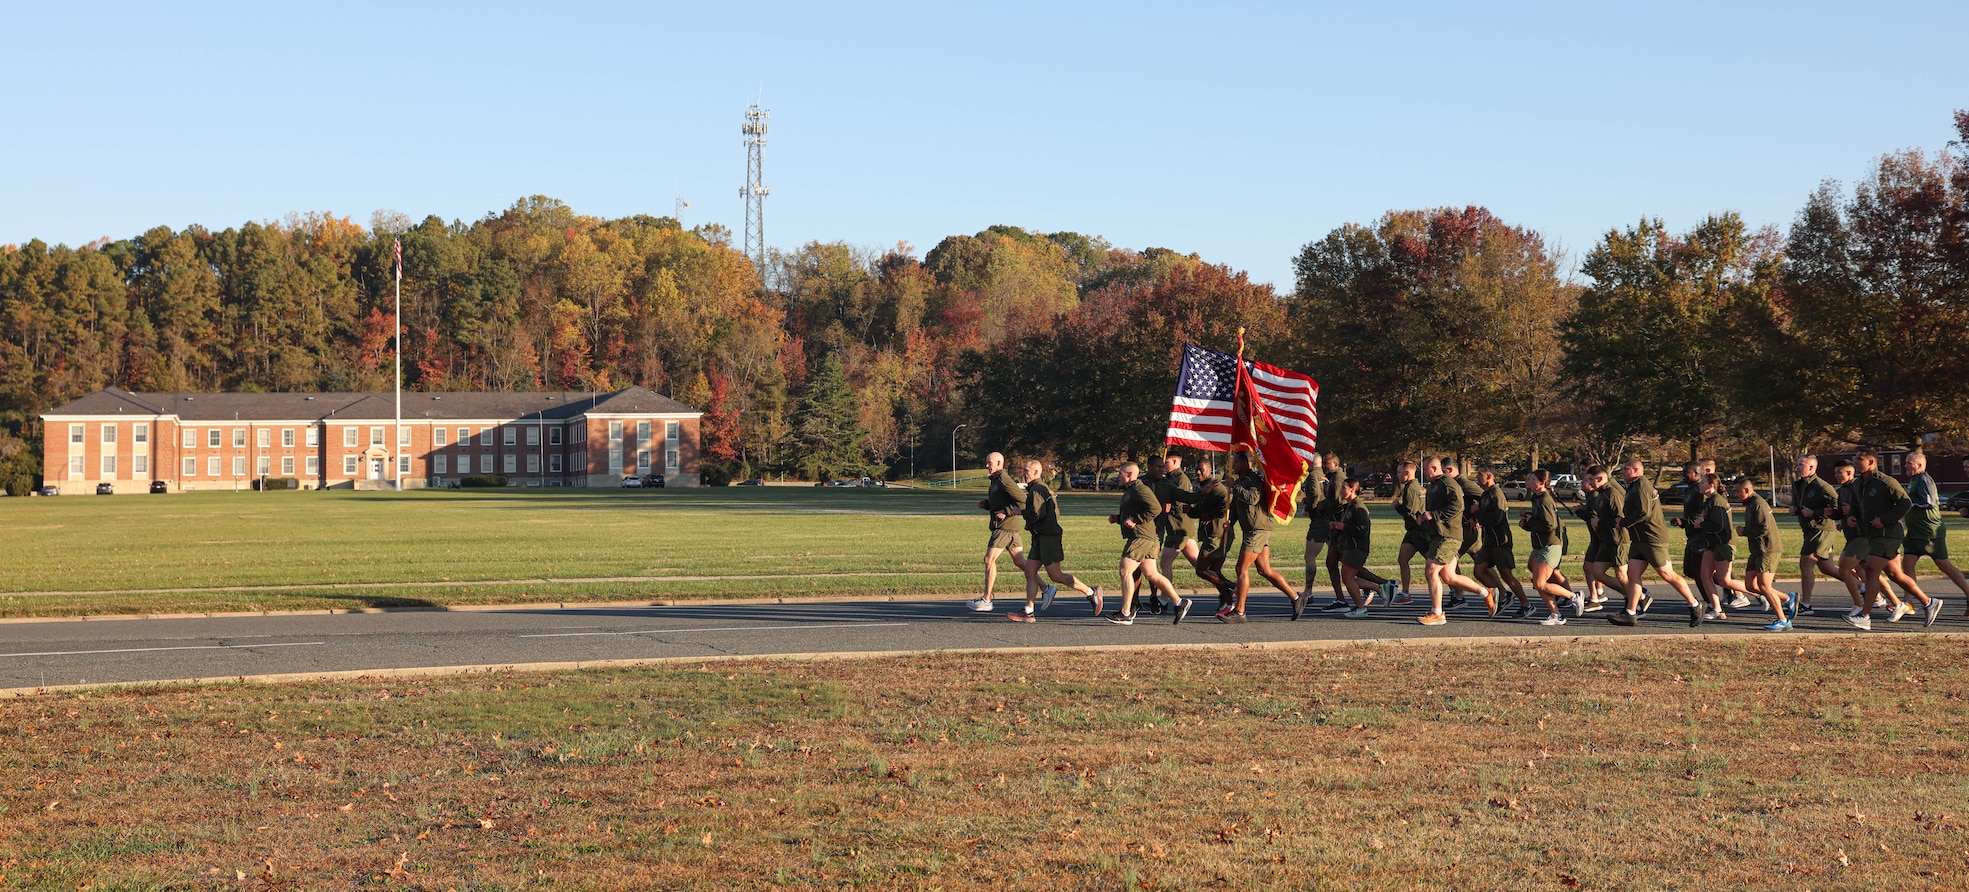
<point x="953" y="455"/>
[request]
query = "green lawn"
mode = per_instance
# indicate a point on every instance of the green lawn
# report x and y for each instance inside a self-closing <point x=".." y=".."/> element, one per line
<point x="308" y="550"/>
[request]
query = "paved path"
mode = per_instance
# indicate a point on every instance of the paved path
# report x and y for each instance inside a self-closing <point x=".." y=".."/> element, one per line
<point x="40" y="655"/>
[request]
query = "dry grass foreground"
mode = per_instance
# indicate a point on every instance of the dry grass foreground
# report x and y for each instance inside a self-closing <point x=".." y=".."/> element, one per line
<point x="1794" y="763"/>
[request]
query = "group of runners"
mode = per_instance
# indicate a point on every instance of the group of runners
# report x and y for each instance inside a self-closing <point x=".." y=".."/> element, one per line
<point x="1167" y="511"/>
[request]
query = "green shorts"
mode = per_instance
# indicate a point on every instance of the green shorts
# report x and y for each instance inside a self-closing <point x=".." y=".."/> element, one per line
<point x="1815" y="543"/>
<point x="1549" y="555"/>
<point x="1209" y="541"/>
<point x="1620" y="551"/>
<point x="1416" y="539"/>
<point x="1317" y="529"/>
<point x="1599" y="551"/>
<point x="1005" y="540"/>
<point x="1256" y="541"/>
<point x="1692" y="552"/>
<point x="1885" y="546"/>
<point x="1046" y="550"/>
<point x="1442" y="551"/>
<point x="1724" y="552"/>
<point x="1471" y="545"/>
<point x="1176" y="536"/>
<point x="1759" y="562"/>
<point x="1855" y="549"/>
<point x="1143" y="548"/>
<point x="1936" y="548"/>
<point x="1354" y="557"/>
<point x="1497" y="556"/>
<point x="1654" y="554"/>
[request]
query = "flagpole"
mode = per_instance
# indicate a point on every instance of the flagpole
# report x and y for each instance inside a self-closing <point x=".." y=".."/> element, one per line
<point x="397" y="320"/>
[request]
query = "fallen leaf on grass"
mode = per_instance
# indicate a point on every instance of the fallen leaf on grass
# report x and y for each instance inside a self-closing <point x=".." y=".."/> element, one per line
<point x="1843" y="860"/>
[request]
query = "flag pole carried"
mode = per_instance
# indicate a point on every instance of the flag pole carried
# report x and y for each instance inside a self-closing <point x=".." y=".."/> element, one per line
<point x="1229" y="403"/>
<point x="397" y="319"/>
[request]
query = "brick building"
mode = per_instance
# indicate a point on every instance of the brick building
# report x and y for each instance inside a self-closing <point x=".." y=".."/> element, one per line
<point x="207" y="441"/>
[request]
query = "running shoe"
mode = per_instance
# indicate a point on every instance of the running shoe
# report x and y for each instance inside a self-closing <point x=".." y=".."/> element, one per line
<point x="1524" y="609"/>
<point x="1230" y="617"/>
<point x="1695" y="615"/>
<point x="1802" y="609"/>
<point x="1859" y="621"/>
<point x="1335" y="606"/>
<point x="1783" y="625"/>
<point x="1298" y="607"/>
<point x="1121" y="619"/>
<point x="1356" y="613"/>
<point x="1402" y="599"/>
<point x="1490" y="602"/>
<point x="1095" y="599"/>
<point x="1388" y="590"/>
<point x="1791" y="607"/>
<point x="1595" y="606"/>
<point x="1433" y="619"/>
<point x="1879" y="601"/>
<point x="1579" y="607"/>
<point x="1647" y="601"/>
<point x="1709" y="615"/>
<point x="1455" y="601"/>
<point x="1046" y="597"/>
<point x="1183" y="606"/>
<point x="1155" y="605"/>
<point x="979" y="605"/>
<point x="1934" y="612"/>
<point x="1900" y="610"/>
<point x="1740" y="601"/>
<point x="1020" y="616"/>
<point x="1553" y="620"/>
<point x="1367" y="600"/>
<point x="1622" y="618"/>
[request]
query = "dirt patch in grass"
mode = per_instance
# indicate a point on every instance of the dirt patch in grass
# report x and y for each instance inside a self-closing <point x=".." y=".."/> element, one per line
<point x="1806" y="763"/>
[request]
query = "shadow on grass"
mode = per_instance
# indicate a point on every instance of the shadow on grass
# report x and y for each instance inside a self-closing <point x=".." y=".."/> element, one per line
<point x="353" y="600"/>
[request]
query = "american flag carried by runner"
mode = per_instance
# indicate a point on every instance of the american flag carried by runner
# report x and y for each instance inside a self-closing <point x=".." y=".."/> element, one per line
<point x="1224" y="403"/>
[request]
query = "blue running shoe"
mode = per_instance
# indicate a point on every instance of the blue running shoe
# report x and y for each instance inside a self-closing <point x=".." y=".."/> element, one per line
<point x="1783" y="625"/>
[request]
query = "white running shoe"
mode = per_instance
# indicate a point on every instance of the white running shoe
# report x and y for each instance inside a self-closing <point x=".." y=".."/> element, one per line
<point x="1046" y="596"/>
<point x="1553" y="620"/>
<point x="1740" y="601"/>
<point x="1859" y="621"/>
<point x="1900" y="610"/>
<point x="979" y="605"/>
<point x="1879" y="601"/>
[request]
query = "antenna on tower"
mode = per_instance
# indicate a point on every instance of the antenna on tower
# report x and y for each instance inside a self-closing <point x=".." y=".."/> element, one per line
<point x="755" y="190"/>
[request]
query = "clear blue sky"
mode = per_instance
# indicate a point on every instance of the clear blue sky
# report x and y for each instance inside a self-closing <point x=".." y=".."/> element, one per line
<point x="1238" y="131"/>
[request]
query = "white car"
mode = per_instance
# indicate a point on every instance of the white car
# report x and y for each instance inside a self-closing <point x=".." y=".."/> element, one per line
<point x="632" y="482"/>
<point x="1565" y="486"/>
<point x="1515" y="490"/>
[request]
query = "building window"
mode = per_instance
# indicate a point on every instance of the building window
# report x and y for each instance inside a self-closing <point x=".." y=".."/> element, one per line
<point x="140" y="464"/>
<point x="191" y="467"/>
<point x="265" y="465"/>
<point x="670" y="460"/>
<point x="191" y="438"/>
<point x="75" y="433"/>
<point x="140" y="433"/>
<point x="239" y="466"/>
<point x="403" y="437"/>
<point x="349" y="465"/>
<point x="672" y="431"/>
<point x="109" y="465"/>
<point x="212" y="466"/>
<point x="508" y="435"/>
<point x="642" y="460"/>
<point x="554" y="463"/>
<point x="441" y="464"/>
<point x="403" y="465"/>
<point x="532" y="463"/>
<point x="287" y="466"/>
<point x="314" y="466"/>
<point x="615" y="459"/>
<point x="533" y="435"/>
<point x="642" y="433"/>
<point x="485" y="436"/>
<point x="74" y="466"/>
<point x="314" y="436"/>
<point x="553" y="436"/>
<point x="615" y="432"/>
<point x="287" y="438"/>
<point x="349" y="437"/>
<point x="464" y="436"/>
<point x="264" y="437"/>
<point x="510" y="464"/>
<point x="109" y="434"/>
<point x="485" y="462"/>
<point x="215" y="438"/>
<point x="440" y="436"/>
<point x="464" y="464"/>
<point x="238" y="438"/>
<point x="376" y="436"/>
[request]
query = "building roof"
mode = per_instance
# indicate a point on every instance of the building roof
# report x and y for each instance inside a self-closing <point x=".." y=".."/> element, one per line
<point x="207" y="407"/>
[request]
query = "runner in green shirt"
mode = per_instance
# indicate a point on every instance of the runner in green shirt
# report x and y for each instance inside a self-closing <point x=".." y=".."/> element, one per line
<point x="1352" y="532"/>
<point x="1816" y="505"/>
<point x="1547" y="547"/>
<point x="1642" y="519"/>
<point x="1495" y="560"/>
<point x="1606" y="550"/>
<point x="1760" y="536"/>
<point x="1004" y="499"/>
<point x="1211" y="509"/>
<point x="1255" y="523"/>
<point x="1883" y="509"/>
<point x="1927" y="535"/>
<point x="1443" y="518"/>
<point x="1042" y="518"/>
<point x="1136" y="517"/>
<point x="1719" y="554"/>
<point x="1408" y="504"/>
<point x="1180" y="529"/>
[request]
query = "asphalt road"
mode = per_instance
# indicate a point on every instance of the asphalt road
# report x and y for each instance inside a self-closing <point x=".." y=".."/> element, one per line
<point x="38" y="655"/>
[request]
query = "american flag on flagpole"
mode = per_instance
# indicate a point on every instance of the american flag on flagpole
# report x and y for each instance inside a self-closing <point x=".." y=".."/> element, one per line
<point x="1201" y="414"/>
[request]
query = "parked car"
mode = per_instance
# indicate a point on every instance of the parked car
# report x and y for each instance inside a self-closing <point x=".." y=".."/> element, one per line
<point x="104" y="489"/>
<point x="653" y="481"/>
<point x="49" y="490"/>
<point x="841" y="483"/>
<point x="1676" y="493"/>
<point x="752" y="482"/>
<point x="1958" y="502"/>
<point x="1565" y="486"/>
<point x="1082" y="481"/>
<point x="873" y="483"/>
<point x="159" y="487"/>
<point x="1515" y="490"/>
<point x="632" y="482"/>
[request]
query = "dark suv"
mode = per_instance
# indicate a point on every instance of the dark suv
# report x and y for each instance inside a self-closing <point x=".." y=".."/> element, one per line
<point x="159" y="487"/>
<point x="105" y="489"/>
<point x="653" y="481"/>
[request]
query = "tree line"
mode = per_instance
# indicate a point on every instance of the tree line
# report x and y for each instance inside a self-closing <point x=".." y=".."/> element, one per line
<point x="1445" y="328"/>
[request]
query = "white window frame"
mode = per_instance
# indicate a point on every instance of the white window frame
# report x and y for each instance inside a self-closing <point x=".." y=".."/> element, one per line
<point x="508" y="436"/>
<point x="403" y="436"/>
<point x="287" y="466"/>
<point x="76" y="434"/>
<point x="485" y="462"/>
<point x="109" y="434"/>
<point x="286" y="438"/>
<point x="239" y="466"/>
<point x="349" y="436"/>
<point x="533" y="462"/>
<point x="642" y="434"/>
<point x="351" y="465"/>
<point x="403" y="465"/>
<point x="464" y="436"/>
<point x="440" y="437"/>
<point x="239" y="438"/>
<point x="670" y="459"/>
<point x="553" y="436"/>
<point x="140" y="465"/>
<point x="314" y="435"/>
<point x="213" y="468"/>
<point x="615" y="432"/>
<point x="673" y="431"/>
<point x="533" y="435"/>
<point x="215" y="438"/>
<point x="485" y="436"/>
<point x="376" y="435"/>
<point x="440" y="464"/>
<point x="263" y="436"/>
<point x="265" y="466"/>
<point x="75" y="467"/>
<point x="140" y="432"/>
<point x="314" y="466"/>
<point x="191" y="438"/>
<point x="554" y="463"/>
<point x="511" y="463"/>
<point x="615" y="459"/>
<point x="191" y="466"/>
<point x="642" y="460"/>
<point x="109" y="464"/>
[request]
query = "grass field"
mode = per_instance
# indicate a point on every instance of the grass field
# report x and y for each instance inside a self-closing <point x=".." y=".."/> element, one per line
<point x="326" y="550"/>
<point x="1816" y="762"/>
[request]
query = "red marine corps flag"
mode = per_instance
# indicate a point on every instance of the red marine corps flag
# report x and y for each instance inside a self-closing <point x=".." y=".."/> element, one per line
<point x="1231" y="403"/>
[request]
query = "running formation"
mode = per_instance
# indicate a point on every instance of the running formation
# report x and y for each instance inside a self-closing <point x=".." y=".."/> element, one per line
<point x="1170" y="512"/>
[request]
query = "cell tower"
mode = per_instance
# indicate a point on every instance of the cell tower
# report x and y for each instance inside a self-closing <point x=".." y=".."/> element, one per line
<point x="755" y="190"/>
